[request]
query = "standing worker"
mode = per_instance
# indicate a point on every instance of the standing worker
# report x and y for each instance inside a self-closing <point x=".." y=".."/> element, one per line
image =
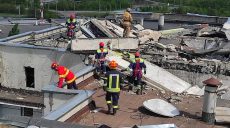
<point x="136" y="67"/>
<point x="64" y="74"/>
<point x="114" y="78"/>
<point x="127" y="21"/>
<point x="71" y="21"/>
<point x="71" y="26"/>
<point x="100" y="58"/>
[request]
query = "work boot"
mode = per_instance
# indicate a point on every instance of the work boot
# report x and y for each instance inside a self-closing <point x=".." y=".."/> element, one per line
<point x="138" y="90"/>
<point x="109" y="108"/>
<point x="114" y="111"/>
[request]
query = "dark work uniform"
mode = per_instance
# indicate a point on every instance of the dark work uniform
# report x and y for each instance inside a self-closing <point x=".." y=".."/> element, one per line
<point x="137" y="65"/>
<point x="114" y="78"/>
<point x="100" y="56"/>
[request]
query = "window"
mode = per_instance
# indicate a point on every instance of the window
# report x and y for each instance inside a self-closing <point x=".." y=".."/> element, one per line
<point x="29" y="77"/>
<point x="26" y="112"/>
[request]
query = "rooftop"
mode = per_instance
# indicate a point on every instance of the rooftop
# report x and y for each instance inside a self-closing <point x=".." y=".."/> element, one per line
<point x="132" y="112"/>
<point x="21" y="97"/>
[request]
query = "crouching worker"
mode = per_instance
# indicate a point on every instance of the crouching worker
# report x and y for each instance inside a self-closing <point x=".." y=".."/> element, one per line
<point x="64" y="74"/>
<point x="114" y="79"/>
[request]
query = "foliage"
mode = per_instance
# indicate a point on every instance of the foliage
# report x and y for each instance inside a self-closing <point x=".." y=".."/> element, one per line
<point x="14" y="30"/>
<point x="206" y="7"/>
<point x="91" y="5"/>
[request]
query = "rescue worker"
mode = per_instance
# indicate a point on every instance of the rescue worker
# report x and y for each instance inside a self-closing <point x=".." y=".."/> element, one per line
<point x="127" y="21"/>
<point x="136" y="67"/>
<point x="64" y="74"/>
<point x="114" y="79"/>
<point x="71" y="21"/>
<point x="100" y="58"/>
<point x="71" y="26"/>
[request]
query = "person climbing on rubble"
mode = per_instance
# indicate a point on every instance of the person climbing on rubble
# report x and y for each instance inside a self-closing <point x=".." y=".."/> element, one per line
<point x="136" y="67"/>
<point x="65" y="74"/>
<point x="127" y="22"/>
<point x="100" y="58"/>
<point x="114" y="79"/>
<point x="71" y="25"/>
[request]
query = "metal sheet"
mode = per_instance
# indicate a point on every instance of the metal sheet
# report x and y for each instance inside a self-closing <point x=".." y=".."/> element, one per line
<point x="161" y="107"/>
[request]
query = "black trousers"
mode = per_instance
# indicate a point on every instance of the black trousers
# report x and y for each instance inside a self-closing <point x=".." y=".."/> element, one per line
<point x="72" y="85"/>
<point x="112" y="98"/>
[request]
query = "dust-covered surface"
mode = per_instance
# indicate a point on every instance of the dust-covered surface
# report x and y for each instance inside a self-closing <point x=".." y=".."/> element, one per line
<point x="132" y="112"/>
<point x="21" y="97"/>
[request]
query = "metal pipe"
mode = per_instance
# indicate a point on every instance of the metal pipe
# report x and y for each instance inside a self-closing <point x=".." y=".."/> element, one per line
<point x="209" y="103"/>
<point x="142" y="22"/>
<point x="161" y="22"/>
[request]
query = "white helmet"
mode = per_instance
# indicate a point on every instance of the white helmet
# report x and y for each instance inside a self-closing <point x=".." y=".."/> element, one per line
<point x="128" y="9"/>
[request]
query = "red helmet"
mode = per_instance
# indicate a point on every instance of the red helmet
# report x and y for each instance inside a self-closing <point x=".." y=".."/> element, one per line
<point x="137" y="54"/>
<point x="54" y="65"/>
<point x="101" y="44"/>
<point x="113" y="64"/>
<point x="72" y="16"/>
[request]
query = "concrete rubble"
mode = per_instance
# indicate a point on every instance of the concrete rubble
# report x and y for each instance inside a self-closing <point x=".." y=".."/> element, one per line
<point x="177" y="60"/>
<point x="189" y="48"/>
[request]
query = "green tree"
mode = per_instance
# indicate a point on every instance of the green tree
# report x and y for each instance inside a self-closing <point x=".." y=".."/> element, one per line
<point x="14" y="30"/>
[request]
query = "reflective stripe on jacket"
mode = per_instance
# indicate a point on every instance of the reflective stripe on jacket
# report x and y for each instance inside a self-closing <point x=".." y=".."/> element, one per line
<point x="73" y="21"/>
<point x="114" y="78"/>
<point x="137" y="65"/>
<point x="65" y="73"/>
<point x="101" y="54"/>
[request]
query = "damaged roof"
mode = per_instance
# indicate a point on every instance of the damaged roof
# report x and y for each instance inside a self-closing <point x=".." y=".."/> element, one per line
<point x="21" y="97"/>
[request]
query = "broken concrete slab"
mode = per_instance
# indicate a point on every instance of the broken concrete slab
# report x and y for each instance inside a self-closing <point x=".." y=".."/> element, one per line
<point x="139" y="27"/>
<point x="195" y="90"/>
<point x="161" y="107"/>
<point x="102" y="28"/>
<point x="155" y="75"/>
<point x="87" y="32"/>
<point x="114" y="28"/>
<point x="222" y="114"/>
<point x="149" y="34"/>
<point x="227" y="24"/>
<point x="80" y="45"/>
<point x="208" y="31"/>
<point x="227" y="33"/>
<point x="172" y="31"/>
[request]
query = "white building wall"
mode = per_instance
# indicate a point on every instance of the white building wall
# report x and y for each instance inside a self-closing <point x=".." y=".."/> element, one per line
<point x="14" y="59"/>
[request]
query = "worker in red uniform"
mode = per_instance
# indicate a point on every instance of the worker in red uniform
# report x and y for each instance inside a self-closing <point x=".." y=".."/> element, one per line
<point x="100" y="58"/>
<point x="114" y="79"/>
<point x="136" y="67"/>
<point x="64" y="74"/>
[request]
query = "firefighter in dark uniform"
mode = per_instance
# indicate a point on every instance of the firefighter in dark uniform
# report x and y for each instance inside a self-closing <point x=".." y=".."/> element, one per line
<point x="114" y="79"/>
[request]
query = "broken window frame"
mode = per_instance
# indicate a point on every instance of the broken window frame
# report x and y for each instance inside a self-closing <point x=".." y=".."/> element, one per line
<point x="29" y="77"/>
<point x="29" y="112"/>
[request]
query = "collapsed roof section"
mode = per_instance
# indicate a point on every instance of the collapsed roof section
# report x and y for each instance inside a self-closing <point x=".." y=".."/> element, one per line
<point x="95" y="31"/>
